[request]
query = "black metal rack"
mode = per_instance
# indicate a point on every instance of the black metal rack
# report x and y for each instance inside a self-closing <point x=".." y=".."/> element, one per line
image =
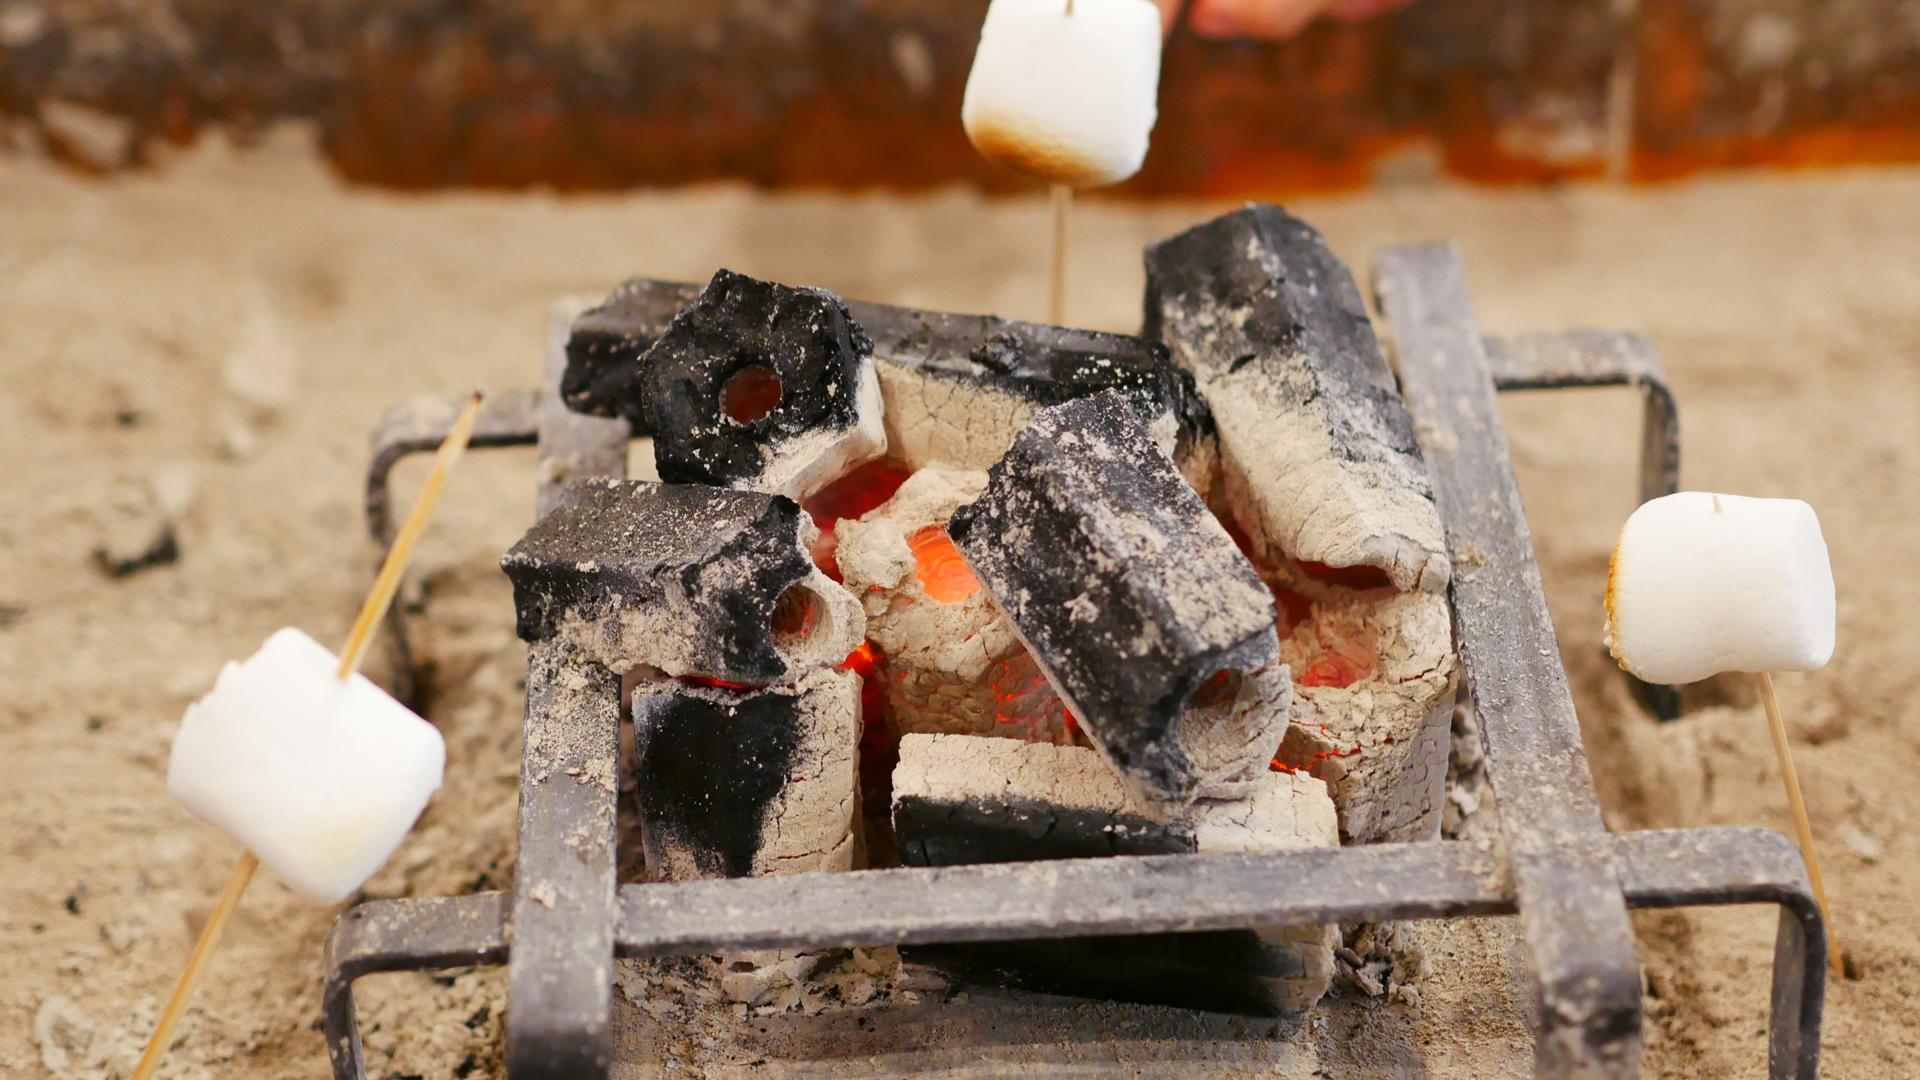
<point x="1555" y="866"/>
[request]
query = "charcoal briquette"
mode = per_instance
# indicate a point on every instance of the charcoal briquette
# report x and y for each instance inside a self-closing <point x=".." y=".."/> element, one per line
<point x="961" y="799"/>
<point x="957" y="387"/>
<point x="682" y="580"/>
<point x="734" y="783"/>
<point x="1317" y="452"/>
<point x="1131" y="597"/>
<point x="762" y="387"/>
<point x="945" y="656"/>
<point x="960" y="387"/>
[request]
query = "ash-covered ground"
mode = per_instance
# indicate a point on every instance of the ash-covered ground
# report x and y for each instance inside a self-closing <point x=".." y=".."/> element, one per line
<point x="210" y="343"/>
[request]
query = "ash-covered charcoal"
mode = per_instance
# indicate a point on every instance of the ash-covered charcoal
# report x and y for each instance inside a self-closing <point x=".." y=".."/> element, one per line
<point x="761" y="387"/>
<point x="957" y="387"/>
<point x="960" y="387"/>
<point x="1131" y="597"/>
<point x="963" y="799"/>
<point x="1317" y="454"/>
<point x="735" y="783"/>
<point x="947" y="658"/>
<point x="607" y="341"/>
<point x="1375" y="676"/>
<point x="959" y="799"/>
<point x="682" y="580"/>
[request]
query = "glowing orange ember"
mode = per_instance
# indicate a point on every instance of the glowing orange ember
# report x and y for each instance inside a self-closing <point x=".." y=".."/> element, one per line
<point x="1334" y="669"/>
<point x="938" y="565"/>
<point x="750" y="394"/>
<point x="859" y="491"/>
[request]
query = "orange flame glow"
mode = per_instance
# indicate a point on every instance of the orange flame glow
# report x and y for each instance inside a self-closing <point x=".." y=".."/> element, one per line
<point x="937" y="563"/>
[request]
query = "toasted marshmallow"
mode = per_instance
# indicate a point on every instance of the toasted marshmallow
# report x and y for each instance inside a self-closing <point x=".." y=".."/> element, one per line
<point x="1704" y="583"/>
<point x="320" y="778"/>
<point x="1065" y="97"/>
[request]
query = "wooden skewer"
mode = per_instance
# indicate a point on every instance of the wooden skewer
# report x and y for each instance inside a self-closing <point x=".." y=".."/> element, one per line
<point x="388" y="583"/>
<point x="1061" y="200"/>
<point x="202" y="949"/>
<point x="1801" y="825"/>
<point x="384" y="586"/>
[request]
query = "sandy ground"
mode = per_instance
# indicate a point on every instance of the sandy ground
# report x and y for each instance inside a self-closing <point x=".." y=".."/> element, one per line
<point x="218" y="337"/>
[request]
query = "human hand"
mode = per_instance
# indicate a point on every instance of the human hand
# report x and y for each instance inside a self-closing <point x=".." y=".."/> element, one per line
<point x="1272" y="20"/>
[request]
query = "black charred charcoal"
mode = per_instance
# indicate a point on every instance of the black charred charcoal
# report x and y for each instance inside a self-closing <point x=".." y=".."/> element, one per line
<point x="1316" y="446"/>
<point x="762" y="387"/>
<point x="1224" y="971"/>
<point x="605" y="346"/>
<point x="958" y="387"/>
<point x="1127" y="591"/>
<point x="688" y="580"/>
<point x="738" y="783"/>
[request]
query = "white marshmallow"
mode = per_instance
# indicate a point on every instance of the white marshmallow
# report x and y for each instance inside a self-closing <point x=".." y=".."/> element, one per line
<point x="1704" y="583"/>
<point x="1066" y="97"/>
<point x="320" y="778"/>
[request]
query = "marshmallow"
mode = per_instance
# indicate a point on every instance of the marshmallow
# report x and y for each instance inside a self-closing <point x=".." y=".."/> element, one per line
<point x="1066" y="97"/>
<point x="1703" y="583"/>
<point x="320" y="778"/>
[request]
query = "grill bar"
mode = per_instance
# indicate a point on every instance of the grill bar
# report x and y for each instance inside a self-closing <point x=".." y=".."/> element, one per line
<point x="1568" y="879"/>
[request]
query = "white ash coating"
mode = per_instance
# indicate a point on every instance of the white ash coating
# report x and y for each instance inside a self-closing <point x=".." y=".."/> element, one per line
<point x="1284" y="811"/>
<point x="1231" y="744"/>
<point x="319" y="777"/>
<point x="946" y="667"/>
<point x="1292" y="493"/>
<point x="660" y="635"/>
<point x="803" y="464"/>
<point x="1380" y="742"/>
<point x="1703" y="583"/>
<point x="934" y="417"/>
<point x="1065" y="96"/>
<point x="1318" y="455"/>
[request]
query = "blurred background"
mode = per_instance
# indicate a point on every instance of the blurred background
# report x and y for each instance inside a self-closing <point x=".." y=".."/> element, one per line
<point x="605" y="94"/>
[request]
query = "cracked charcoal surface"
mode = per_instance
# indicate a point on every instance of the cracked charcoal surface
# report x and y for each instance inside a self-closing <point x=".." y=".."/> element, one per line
<point x="827" y="417"/>
<point x="1380" y="742"/>
<point x="960" y="387"/>
<point x="949" y="665"/>
<point x="1142" y="596"/>
<point x="733" y="784"/>
<point x="1317" y="450"/>
<point x="680" y="578"/>
<point x="957" y="387"/>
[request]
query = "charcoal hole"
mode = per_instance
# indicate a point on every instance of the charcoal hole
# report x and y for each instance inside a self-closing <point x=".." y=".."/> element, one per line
<point x="750" y="394"/>
<point x="1223" y="687"/>
<point x="794" y="616"/>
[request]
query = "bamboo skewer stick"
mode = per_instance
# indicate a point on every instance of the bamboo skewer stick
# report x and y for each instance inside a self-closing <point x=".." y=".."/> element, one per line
<point x="388" y="583"/>
<point x="202" y="949"/>
<point x="384" y="587"/>
<point x="1798" y="804"/>
<point x="1061" y="202"/>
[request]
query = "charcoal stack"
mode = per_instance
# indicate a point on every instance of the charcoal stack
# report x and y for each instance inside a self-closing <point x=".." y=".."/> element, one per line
<point x="930" y="590"/>
<point x="1320" y="474"/>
